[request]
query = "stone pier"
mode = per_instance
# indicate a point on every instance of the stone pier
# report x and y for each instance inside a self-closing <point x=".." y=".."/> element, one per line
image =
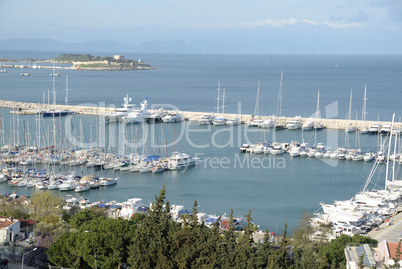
<point x="24" y="108"/>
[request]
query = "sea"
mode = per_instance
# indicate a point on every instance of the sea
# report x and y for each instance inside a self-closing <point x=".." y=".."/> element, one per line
<point x="277" y="190"/>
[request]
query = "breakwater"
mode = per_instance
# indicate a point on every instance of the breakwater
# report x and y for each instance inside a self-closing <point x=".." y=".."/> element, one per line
<point x="25" y="108"/>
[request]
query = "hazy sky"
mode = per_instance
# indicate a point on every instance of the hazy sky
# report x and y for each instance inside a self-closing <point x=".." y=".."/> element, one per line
<point x="277" y="26"/>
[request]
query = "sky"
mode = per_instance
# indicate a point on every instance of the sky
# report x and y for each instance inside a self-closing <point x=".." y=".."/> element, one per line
<point x="253" y="26"/>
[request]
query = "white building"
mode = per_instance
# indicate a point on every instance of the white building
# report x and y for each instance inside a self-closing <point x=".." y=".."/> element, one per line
<point x="9" y="229"/>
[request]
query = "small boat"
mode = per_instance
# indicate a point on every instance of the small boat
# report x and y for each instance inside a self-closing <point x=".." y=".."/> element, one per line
<point x="255" y="122"/>
<point x="244" y="148"/>
<point x="342" y="155"/>
<point x="318" y="127"/>
<point x="295" y="152"/>
<point x="54" y="185"/>
<point x="368" y="157"/>
<point x="375" y="129"/>
<point x="145" y="169"/>
<point x="82" y="187"/>
<point x="157" y="168"/>
<point x="206" y="119"/>
<point x="68" y="185"/>
<point x="94" y="184"/>
<point x="277" y="149"/>
<point x="56" y="113"/>
<point x="364" y="130"/>
<point x="351" y="128"/>
<point x="156" y="116"/>
<point x="108" y="181"/>
<point x="219" y="121"/>
<point x="173" y="117"/>
<point x="233" y="121"/>
<point x="327" y="154"/>
<point x="308" y="126"/>
<point x="385" y="129"/>
<point x="25" y="74"/>
<point x="294" y="123"/>
<point x="358" y="156"/>
<point x="381" y="157"/>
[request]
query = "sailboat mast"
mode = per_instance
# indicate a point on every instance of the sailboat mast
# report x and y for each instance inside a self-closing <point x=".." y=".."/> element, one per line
<point x="257" y="100"/>
<point x="364" y="112"/>
<point x="389" y="150"/>
<point x="54" y="89"/>
<point x="318" y="113"/>
<point x="279" y="107"/>
<point x="66" y="100"/>
<point x="217" y="105"/>
<point x="223" y="101"/>
<point x="394" y="162"/>
<point x="350" y="105"/>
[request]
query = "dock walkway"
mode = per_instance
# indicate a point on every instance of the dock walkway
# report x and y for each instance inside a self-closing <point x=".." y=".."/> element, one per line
<point x="390" y="231"/>
<point x="24" y="108"/>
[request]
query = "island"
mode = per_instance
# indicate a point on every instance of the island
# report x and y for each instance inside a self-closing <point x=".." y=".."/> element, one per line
<point x="89" y="62"/>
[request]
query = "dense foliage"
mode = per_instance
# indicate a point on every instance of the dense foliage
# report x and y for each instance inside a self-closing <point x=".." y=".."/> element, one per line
<point x="86" y="58"/>
<point x="74" y="58"/>
<point x="88" y="239"/>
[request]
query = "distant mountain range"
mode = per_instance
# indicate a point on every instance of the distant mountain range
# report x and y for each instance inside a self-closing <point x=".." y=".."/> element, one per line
<point x="44" y="44"/>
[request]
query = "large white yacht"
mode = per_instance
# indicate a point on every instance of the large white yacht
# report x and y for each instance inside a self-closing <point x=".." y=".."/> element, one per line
<point x="120" y="112"/>
<point x="179" y="160"/>
<point x="294" y="123"/>
<point x="138" y="116"/>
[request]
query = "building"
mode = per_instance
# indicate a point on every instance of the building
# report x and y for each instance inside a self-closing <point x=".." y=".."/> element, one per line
<point x="118" y="57"/>
<point x="373" y="257"/>
<point x="26" y="228"/>
<point x="9" y="229"/>
<point x="388" y="251"/>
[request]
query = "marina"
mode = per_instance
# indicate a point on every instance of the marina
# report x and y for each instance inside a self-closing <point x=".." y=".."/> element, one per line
<point x="273" y="185"/>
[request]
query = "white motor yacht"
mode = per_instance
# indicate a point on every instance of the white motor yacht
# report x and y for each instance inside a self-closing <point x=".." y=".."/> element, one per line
<point x="294" y="123"/>
<point x="375" y="129"/>
<point x="255" y="122"/>
<point x="219" y="121"/>
<point x="351" y="128"/>
<point x="173" y="117"/>
<point x="180" y="160"/>
<point x="120" y="112"/>
<point x="385" y="129"/>
<point x="233" y="121"/>
<point x="368" y="157"/>
<point x="68" y="185"/>
<point x="308" y="126"/>
<point x="206" y="119"/>
<point x="108" y="181"/>
<point x="138" y="116"/>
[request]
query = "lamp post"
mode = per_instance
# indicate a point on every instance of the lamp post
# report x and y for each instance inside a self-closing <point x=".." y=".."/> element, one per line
<point x="23" y="254"/>
<point x="94" y="250"/>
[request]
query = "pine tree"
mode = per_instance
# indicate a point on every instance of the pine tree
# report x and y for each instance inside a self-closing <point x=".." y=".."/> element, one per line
<point x="152" y="242"/>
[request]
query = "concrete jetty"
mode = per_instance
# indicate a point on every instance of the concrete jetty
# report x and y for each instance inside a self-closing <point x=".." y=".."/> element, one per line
<point x="24" y="108"/>
<point x="390" y="230"/>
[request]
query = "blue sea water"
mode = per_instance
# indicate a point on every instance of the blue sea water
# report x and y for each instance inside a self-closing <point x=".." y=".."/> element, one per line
<point x="279" y="189"/>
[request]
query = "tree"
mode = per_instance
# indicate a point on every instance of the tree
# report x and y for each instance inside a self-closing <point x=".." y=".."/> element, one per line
<point x="84" y="216"/>
<point x="46" y="233"/>
<point x="46" y="204"/>
<point x="63" y="252"/>
<point x="107" y="239"/>
<point x="152" y="244"/>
